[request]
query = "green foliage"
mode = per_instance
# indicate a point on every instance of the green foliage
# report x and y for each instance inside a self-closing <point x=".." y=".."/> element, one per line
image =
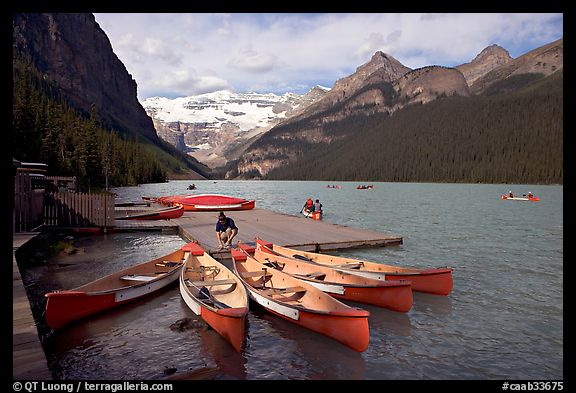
<point x="512" y="137"/>
<point x="47" y="129"/>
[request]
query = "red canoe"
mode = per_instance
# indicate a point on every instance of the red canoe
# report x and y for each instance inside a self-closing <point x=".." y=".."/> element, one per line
<point x="208" y="202"/>
<point x="437" y="281"/>
<point x="301" y="303"/>
<point x="391" y="294"/>
<point x="313" y="215"/>
<point x="216" y="294"/>
<point x="522" y="198"/>
<point x="160" y="214"/>
<point x="63" y="307"/>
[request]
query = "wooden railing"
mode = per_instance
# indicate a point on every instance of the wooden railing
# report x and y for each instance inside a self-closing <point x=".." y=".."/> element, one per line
<point x="28" y="200"/>
<point x="66" y="209"/>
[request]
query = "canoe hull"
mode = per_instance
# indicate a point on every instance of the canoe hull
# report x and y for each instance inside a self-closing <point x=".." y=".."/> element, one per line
<point x="315" y="310"/>
<point x="396" y="298"/>
<point x="526" y="199"/>
<point x="351" y="330"/>
<point x="65" y="307"/>
<point x="228" y="322"/>
<point x="165" y="214"/>
<point x="208" y="202"/>
<point x="392" y="294"/>
<point x="312" y="215"/>
<point x="437" y="281"/>
<point x="230" y="325"/>
<point x="248" y="205"/>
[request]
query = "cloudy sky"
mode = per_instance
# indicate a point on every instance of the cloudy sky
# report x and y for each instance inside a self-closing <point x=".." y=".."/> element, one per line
<point x="175" y="55"/>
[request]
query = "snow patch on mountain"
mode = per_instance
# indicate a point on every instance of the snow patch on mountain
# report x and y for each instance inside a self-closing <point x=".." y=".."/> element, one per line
<point x="214" y="127"/>
<point x="247" y="110"/>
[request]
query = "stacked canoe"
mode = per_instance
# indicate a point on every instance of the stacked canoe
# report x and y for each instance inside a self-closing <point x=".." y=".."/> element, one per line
<point x="207" y="202"/>
<point x="304" y="288"/>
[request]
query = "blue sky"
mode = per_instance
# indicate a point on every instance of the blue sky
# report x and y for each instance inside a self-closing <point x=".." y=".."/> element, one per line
<point x="175" y="55"/>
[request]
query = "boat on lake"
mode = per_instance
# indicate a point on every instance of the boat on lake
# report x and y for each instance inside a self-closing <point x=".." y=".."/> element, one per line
<point x="436" y="281"/>
<point x="391" y="294"/>
<point x="301" y="303"/>
<point x="152" y="214"/>
<point x="208" y="202"/>
<point x="312" y="214"/>
<point x="135" y="282"/>
<point x="526" y="198"/>
<point x="216" y="294"/>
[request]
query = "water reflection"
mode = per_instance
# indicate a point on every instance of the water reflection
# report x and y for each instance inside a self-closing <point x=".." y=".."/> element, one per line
<point x="434" y="304"/>
<point x="231" y="364"/>
<point x="324" y="358"/>
<point x="383" y="322"/>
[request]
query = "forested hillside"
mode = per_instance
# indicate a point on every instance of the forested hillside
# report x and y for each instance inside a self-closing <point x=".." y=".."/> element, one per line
<point x="47" y="129"/>
<point x="513" y="133"/>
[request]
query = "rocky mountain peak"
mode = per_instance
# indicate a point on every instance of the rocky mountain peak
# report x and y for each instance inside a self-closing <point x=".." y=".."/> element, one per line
<point x="75" y="53"/>
<point x="495" y="51"/>
<point x="544" y="60"/>
<point x="489" y="58"/>
<point x="392" y="68"/>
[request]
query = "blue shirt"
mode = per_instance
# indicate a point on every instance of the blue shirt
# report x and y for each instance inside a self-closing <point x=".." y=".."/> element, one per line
<point x="228" y="224"/>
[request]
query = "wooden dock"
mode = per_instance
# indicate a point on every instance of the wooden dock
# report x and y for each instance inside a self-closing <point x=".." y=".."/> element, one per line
<point x="283" y="229"/>
<point x="28" y="358"/>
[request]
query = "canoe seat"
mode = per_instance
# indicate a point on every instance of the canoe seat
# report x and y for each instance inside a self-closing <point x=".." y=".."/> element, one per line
<point x="315" y="275"/>
<point x="168" y="264"/>
<point x="280" y="291"/>
<point x="350" y="265"/>
<point x="205" y="295"/>
<point x="259" y="273"/>
<point x="137" y="277"/>
<point x="207" y="283"/>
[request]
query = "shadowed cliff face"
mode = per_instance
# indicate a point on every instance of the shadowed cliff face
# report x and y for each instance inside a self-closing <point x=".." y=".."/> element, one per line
<point x="76" y="54"/>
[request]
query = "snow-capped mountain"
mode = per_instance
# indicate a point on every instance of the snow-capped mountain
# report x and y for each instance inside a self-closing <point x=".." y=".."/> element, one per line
<point x="210" y="126"/>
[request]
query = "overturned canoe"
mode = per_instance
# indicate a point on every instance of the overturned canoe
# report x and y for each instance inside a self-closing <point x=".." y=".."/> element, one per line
<point x="158" y="214"/>
<point x="216" y="294"/>
<point x="63" y="307"/>
<point x="208" y="202"/>
<point x="437" y="281"/>
<point x="391" y="294"/>
<point x="301" y="303"/>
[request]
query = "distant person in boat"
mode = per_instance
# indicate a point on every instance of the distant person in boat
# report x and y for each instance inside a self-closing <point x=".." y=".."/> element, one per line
<point x="530" y="195"/>
<point x="510" y="194"/>
<point x="317" y="206"/>
<point x="308" y="206"/>
<point x="226" y="230"/>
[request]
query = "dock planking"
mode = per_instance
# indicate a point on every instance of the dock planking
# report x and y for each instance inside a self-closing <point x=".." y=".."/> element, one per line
<point x="28" y="358"/>
<point x="283" y="229"/>
<point x="299" y="232"/>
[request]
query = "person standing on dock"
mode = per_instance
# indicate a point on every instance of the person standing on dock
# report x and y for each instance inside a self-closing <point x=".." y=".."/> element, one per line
<point x="226" y="230"/>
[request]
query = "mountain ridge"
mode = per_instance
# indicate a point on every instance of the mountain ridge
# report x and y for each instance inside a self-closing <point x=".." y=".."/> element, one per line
<point x="373" y="94"/>
<point x="209" y="126"/>
<point x="71" y="53"/>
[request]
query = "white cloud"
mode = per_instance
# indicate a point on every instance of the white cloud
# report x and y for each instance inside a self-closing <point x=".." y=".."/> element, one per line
<point x="251" y="61"/>
<point x="184" y="82"/>
<point x="279" y="51"/>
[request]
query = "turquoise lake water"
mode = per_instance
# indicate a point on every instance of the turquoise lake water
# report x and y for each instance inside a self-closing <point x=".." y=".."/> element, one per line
<point x="503" y="319"/>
